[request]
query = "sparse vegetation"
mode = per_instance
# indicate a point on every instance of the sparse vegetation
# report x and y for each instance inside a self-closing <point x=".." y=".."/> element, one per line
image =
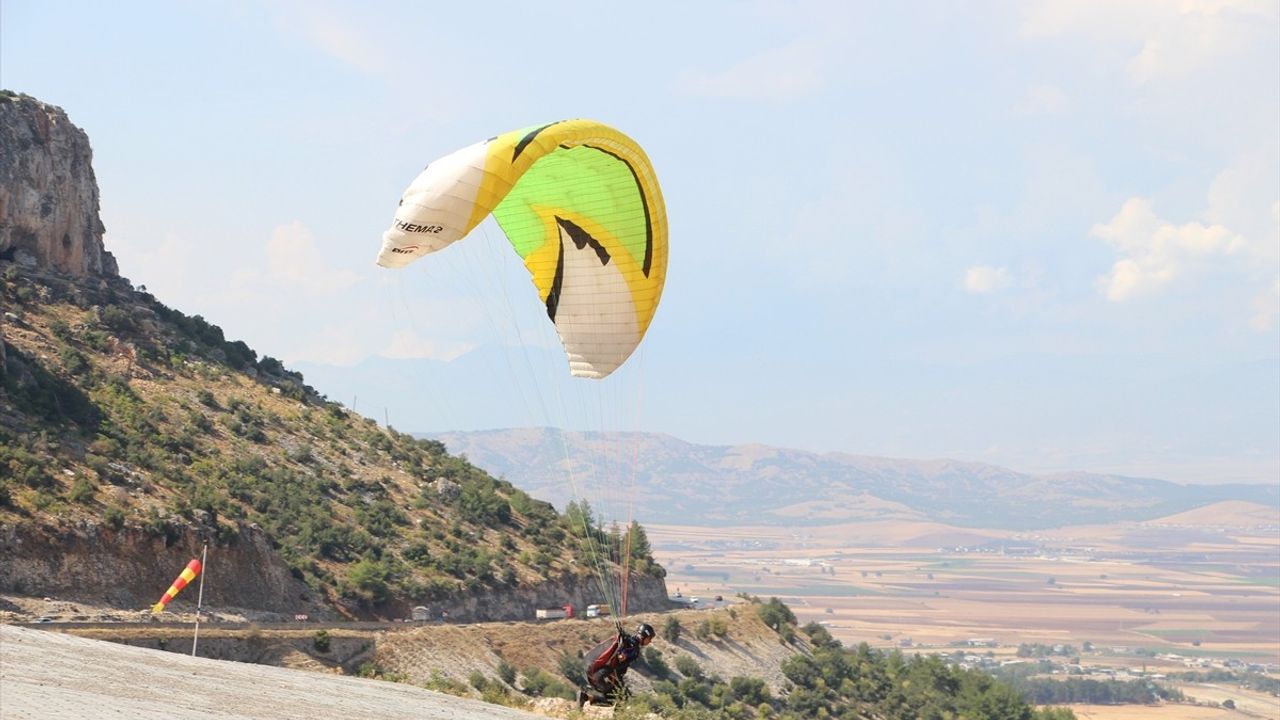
<point x="217" y="436"/>
<point x="671" y="629"/>
<point x="321" y="642"/>
<point x="539" y="683"/>
<point x="836" y="682"/>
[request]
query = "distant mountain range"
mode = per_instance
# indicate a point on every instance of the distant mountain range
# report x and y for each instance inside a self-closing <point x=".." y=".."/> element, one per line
<point x="679" y="483"/>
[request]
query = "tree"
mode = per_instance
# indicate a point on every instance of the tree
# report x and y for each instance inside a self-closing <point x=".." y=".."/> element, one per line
<point x="775" y="614"/>
<point x="639" y="542"/>
<point x="368" y="579"/>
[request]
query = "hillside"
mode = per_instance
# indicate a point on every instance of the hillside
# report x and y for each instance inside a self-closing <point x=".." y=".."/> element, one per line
<point x="680" y="483"/>
<point x="132" y="433"/>
<point x="749" y="660"/>
<point x="1234" y="514"/>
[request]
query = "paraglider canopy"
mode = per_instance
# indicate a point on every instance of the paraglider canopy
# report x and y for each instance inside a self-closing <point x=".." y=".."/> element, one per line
<point x="580" y="203"/>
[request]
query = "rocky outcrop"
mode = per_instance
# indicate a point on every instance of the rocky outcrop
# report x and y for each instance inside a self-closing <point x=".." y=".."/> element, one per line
<point x="131" y="567"/>
<point x="48" y="192"/>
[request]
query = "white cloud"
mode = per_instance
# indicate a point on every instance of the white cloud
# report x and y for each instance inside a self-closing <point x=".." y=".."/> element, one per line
<point x="335" y="34"/>
<point x="406" y="344"/>
<point x="1154" y="252"/>
<point x="1173" y="39"/>
<point x="1243" y="197"/>
<point x="782" y="73"/>
<point x="984" y="279"/>
<point x="341" y="345"/>
<point x="1266" y="308"/>
<point x="293" y="265"/>
<point x="1043" y="100"/>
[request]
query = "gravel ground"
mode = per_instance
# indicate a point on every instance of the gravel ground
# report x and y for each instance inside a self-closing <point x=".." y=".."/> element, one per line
<point x="52" y="676"/>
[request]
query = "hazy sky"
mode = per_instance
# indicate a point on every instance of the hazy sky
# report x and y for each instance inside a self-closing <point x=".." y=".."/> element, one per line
<point x="1040" y="234"/>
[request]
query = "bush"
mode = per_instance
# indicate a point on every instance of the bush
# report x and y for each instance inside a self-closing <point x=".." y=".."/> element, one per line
<point x="654" y="661"/>
<point x="671" y="630"/>
<point x="116" y="318"/>
<point x="507" y="673"/>
<point x="775" y="614"/>
<point x="688" y="667"/>
<point x="82" y="491"/>
<point x="439" y="683"/>
<point x="572" y="668"/>
<point x="538" y="683"/>
<point x="321" y="641"/>
<point x="369" y="580"/>
<point x="716" y="627"/>
<point x="114" y="517"/>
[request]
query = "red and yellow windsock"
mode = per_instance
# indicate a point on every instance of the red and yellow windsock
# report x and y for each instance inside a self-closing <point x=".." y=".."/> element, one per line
<point x="188" y="574"/>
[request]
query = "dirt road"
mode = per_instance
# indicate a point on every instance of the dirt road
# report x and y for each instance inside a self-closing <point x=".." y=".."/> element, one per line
<point x="53" y="676"/>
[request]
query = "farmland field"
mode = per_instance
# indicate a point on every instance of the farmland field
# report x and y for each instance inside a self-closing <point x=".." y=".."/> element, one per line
<point x="1200" y="591"/>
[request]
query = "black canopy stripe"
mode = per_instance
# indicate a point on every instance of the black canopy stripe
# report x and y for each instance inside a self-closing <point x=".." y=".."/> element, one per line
<point x="581" y="240"/>
<point x="644" y="203"/>
<point x="553" y="297"/>
<point x="524" y="141"/>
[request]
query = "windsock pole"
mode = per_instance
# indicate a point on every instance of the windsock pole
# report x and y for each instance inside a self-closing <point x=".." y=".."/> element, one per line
<point x="204" y="554"/>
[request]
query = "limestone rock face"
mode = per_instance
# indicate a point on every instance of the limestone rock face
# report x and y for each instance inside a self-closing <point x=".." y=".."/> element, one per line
<point x="48" y="193"/>
<point x="130" y="568"/>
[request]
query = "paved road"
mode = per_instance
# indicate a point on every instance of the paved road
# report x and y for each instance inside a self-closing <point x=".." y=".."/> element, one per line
<point x="54" y="676"/>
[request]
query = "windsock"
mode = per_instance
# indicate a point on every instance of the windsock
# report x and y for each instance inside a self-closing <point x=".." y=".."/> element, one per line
<point x="188" y="574"/>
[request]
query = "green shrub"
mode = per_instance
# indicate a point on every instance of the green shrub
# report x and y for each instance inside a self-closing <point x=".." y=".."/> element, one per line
<point x="671" y="630"/>
<point x="368" y="580"/>
<point x="716" y="627"/>
<point x="538" y="683"/>
<point x="572" y="667"/>
<point x="654" y="662"/>
<point x="440" y="683"/>
<point x="687" y="666"/>
<point x="82" y="491"/>
<point x="114" y="517"/>
<point x="775" y="614"/>
<point x="117" y="318"/>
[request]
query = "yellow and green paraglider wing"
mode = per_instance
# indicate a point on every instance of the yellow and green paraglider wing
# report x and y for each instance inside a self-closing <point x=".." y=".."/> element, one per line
<point x="581" y="205"/>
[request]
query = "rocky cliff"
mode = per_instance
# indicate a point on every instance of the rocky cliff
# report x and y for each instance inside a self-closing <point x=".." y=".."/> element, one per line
<point x="48" y="192"/>
<point x="129" y="567"/>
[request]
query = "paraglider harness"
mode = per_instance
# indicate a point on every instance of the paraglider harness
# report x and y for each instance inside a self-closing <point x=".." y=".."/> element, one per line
<point x="606" y="664"/>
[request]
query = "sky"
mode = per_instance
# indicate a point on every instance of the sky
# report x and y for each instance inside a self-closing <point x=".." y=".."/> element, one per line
<point x="1042" y="234"/>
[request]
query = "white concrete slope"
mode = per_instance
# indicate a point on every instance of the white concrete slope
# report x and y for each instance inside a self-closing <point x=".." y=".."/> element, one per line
<point x="52" y="676"/>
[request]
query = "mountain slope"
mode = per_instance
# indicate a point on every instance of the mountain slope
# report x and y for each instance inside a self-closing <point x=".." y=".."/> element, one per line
<point x="682" y="483"/>
<point x="131" y="433"/>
